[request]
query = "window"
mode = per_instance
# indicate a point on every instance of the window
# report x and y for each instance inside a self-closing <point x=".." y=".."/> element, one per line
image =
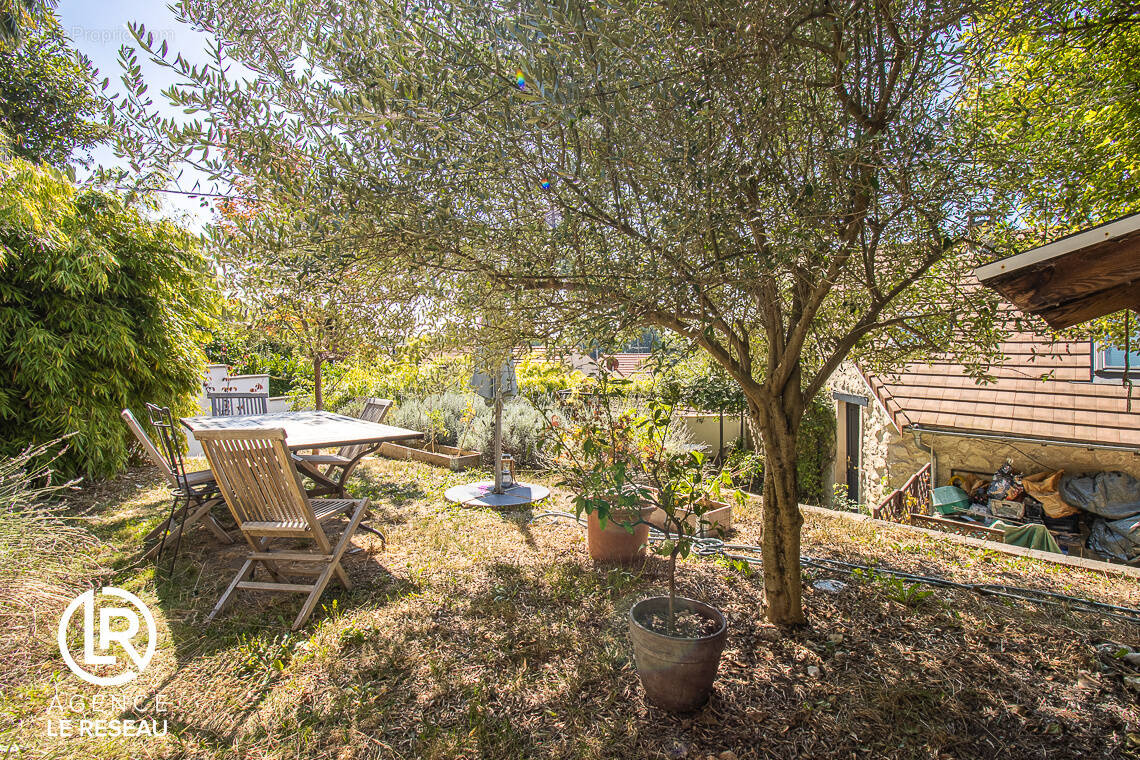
<point x="1109" y="362"/>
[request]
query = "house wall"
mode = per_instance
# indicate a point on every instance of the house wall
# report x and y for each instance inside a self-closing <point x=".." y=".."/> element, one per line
<point x="891" y="456"/>
<point x="875" y="437"/>
<point x="953" y="452"/>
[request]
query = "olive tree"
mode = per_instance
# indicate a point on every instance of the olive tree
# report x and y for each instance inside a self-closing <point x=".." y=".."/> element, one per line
<point x="784" y="185"/>
<point x="309" y="288"/>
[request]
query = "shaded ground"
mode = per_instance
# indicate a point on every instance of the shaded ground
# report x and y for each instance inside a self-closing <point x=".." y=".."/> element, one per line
<point x="477" y="635"/>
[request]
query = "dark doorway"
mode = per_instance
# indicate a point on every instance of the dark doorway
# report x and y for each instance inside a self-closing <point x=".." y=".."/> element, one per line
<point x="854" y="438"/>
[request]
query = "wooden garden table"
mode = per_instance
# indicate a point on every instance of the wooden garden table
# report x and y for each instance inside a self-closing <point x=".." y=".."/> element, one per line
<point x="312" y="430"/>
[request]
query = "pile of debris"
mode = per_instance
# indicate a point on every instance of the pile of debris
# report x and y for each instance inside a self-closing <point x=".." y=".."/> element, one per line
<point x="1099" y="512"/>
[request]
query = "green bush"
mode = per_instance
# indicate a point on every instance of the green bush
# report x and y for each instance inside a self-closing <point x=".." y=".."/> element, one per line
<point x="348" y="383"/>
<point x="747" y="468"/>
<point x="698" y="382"/>
<point x="414" y="375"/>
<point x="523" y="432"/>
<point x="247" y="353"/>
<point x="101" y="308"/>
<point x="544" y="377"/>
<point x="444" y="417"/>
<point x="814" y="449"/>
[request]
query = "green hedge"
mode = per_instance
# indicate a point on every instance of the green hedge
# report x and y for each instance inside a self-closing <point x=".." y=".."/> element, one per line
<point x="414" y="375"/>
<point x="101" y="308"/>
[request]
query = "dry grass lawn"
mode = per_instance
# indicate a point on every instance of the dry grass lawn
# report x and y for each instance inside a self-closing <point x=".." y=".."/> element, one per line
<point x="479" y="634"/>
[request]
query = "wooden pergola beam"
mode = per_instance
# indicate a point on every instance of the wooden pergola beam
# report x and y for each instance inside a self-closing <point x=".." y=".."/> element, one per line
<point x="1124" y="296"/>
<point x="1081" y="277"/>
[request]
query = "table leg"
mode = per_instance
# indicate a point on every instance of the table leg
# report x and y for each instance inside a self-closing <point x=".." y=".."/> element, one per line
<point x="325" y="484"/>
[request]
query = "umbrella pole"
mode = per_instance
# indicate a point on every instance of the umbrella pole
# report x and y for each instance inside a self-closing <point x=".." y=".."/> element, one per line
<point x="498" y="453"/>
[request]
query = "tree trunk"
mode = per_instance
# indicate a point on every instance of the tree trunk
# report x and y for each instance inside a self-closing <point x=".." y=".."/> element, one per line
<point x="318" y="391"/>
<point x="779" y="425"/>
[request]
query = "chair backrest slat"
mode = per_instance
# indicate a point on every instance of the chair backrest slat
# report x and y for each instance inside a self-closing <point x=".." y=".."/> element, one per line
<point x="257" y="476"/>
<point x="152" y="452"/>
<point x="375" y="410"/>
<point x="238" y="404"/>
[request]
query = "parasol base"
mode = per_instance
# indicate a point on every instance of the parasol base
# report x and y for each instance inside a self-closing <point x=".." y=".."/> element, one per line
<point x="482" y="494"/>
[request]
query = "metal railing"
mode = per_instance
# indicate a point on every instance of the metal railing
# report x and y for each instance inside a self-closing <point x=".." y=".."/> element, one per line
<point x="914" y="496"/>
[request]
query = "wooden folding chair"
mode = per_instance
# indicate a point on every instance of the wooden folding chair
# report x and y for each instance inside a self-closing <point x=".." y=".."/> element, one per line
<point x="338" y="467"/>
<point x="260" y="482"/>
<point x="197" y="488"/>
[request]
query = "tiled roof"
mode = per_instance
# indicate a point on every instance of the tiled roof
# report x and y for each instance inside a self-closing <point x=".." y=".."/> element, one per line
<point x="1064" y="407"/>
<point x="630" y="365"/>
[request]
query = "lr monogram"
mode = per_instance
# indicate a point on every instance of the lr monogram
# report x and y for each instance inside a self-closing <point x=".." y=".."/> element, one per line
<point x="95" y="647"/>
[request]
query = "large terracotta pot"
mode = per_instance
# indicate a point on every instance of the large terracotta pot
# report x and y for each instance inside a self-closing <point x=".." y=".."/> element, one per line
<point x="677" y="673"/>
<point x="615" y="543"/>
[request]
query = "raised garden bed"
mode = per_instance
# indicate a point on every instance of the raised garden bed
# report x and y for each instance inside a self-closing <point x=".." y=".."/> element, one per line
<point x="437" y="454"/>
<point x="718" y="520"/>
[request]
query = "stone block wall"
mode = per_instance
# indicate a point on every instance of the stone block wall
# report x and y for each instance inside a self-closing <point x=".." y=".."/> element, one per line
<point x="953" y="452"/>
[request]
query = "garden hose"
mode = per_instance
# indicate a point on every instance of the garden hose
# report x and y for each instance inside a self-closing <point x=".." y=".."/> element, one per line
<point x="712" y="547"/>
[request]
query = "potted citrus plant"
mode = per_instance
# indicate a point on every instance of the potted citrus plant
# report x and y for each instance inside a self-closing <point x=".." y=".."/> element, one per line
<point x="623" y="473"/>
<point x="596" y="456"/>
<point x="677" y="641"/>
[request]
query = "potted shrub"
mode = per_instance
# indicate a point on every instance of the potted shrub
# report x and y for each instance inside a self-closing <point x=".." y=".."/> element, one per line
<point x="677" y="641"/>
<point x="596" y="453"/>
<point x="623" y="473"/>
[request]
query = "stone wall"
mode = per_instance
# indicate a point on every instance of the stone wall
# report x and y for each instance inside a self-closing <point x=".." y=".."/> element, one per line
<point x="953" y="452"/>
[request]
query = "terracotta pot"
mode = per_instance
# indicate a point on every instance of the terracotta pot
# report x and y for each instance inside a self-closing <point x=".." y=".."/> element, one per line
<point x="615" y="543"/>
<point x="677" y="673"/>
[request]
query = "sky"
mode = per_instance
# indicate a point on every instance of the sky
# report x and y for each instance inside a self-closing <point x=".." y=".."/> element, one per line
<point x="99" y="27"/>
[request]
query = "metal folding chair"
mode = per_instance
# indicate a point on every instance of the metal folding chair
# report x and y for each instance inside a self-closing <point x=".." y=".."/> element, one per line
<point x="197" y="490"/>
